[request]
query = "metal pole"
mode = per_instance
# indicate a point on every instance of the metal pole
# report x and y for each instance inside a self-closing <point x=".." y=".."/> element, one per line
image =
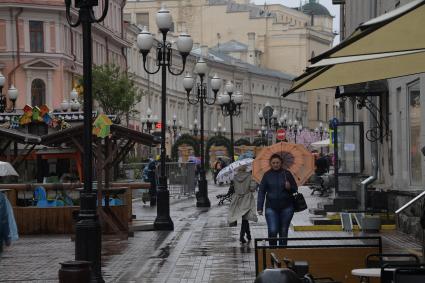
<point x="88" y="238"/>
<point x="163" y="220"/>
<point x="232" y="154"/>
<point x="202" y="200"/>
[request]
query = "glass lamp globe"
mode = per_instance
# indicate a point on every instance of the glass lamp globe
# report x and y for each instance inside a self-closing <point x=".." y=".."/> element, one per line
<point x="238" y="98"/>
<point x="145" y="40"/>
<point x="229" y="87"/>
<point x="65" y="105"/>
<point x="201" y="67"/>
<point x="149" y="112"/>
<point x="184" y="43"/>
<point x="216" y="83"/>
<point x="188" y="82"/>
<point x="75" y="105"/>
<point x="13" y="93"/>
<point x="164" y="20"/>
<point x="260" y="114"/>
<point x="225" y="98"/>
<point x="73" y="94"/>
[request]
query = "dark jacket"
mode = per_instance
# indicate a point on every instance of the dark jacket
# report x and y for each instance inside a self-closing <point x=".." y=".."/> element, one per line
<point x="272" y="189"/>
<point x="4" y="221"/>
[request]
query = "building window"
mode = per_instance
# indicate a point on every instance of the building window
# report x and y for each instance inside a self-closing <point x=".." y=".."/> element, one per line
<point x="36" y="36"/>
<point x="142" y="20"/>
<point x="414" y="96"/>
<point x="38" y="92"/>
<point x="318" y="110"/>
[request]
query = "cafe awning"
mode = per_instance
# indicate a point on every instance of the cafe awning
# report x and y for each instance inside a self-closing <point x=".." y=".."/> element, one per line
<point x="388" y="46"/>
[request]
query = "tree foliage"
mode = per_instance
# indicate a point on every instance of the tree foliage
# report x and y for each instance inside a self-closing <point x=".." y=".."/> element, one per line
<point x="115" y="91"/>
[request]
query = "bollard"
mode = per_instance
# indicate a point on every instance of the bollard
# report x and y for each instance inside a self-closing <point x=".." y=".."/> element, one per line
<point x="75" y="271"/>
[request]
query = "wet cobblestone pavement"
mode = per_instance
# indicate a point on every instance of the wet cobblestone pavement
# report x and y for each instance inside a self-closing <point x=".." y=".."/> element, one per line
<point x="202" y="248"/>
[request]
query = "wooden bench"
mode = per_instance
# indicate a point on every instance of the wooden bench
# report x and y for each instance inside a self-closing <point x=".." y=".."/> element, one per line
<point x="333" y="257"/>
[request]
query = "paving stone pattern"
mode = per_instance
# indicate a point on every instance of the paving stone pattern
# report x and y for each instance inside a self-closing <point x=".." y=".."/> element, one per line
<point x="202" y="248"/>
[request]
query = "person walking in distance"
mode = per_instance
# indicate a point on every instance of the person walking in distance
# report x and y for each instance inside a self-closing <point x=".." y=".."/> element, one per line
<point x="243" y="202"/>
<point x="276" y="189"/>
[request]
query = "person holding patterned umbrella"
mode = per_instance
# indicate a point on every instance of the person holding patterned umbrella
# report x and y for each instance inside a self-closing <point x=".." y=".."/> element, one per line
<point x="276" y="189"/>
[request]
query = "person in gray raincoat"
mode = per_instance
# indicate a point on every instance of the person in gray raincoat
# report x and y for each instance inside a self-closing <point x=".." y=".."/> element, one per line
<point x="243" y="202"/>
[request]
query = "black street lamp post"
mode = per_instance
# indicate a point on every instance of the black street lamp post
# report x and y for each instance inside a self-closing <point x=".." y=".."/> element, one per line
<point x="270" y="119"/>
<point x="12" y="94"/>
<point x="150" y="121"/>
<point x="193" y="129"/>
<point x="173" y="128"/>
<point x="201" y="97"/>
<point x="164" y="57"/>
<point x="231" y="106"/>
<point x="88" y="236"/>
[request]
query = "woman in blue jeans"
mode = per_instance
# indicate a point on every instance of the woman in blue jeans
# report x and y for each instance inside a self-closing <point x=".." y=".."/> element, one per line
<point x="277" y="187"/>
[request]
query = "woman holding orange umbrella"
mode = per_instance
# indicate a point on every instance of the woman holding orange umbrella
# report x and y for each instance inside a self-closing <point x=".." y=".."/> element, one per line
<point x="276" y="188"/>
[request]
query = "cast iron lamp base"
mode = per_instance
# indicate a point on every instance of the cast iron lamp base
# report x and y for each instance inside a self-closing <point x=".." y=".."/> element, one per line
<point x="202" y="199"/>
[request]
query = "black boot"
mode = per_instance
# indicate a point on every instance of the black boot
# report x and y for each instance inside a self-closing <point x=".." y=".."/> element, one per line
<point x="242" y="233"/>
<point x="247" y="231"/>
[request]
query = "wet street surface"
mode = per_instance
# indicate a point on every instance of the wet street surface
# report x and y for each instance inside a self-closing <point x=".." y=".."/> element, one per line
<point x="202" y="248"/>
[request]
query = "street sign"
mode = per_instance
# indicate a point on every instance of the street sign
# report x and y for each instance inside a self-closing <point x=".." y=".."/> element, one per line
<point x="280" y="134"/>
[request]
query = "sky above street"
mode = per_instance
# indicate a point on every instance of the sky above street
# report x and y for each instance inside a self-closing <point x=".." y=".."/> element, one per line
<point x="333" y="9"/>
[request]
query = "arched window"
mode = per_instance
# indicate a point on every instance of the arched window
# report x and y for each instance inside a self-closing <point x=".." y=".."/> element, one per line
<point x="38" y="92"/>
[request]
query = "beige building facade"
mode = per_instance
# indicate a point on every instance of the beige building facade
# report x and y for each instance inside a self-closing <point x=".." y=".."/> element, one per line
<point x="273" y="37"/>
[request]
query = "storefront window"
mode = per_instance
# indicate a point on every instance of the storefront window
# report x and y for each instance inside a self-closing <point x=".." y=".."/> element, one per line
<point x="415" y="134"/>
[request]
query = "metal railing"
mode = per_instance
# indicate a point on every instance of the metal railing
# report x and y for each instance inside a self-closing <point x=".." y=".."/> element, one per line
<point x="181" y="176"/>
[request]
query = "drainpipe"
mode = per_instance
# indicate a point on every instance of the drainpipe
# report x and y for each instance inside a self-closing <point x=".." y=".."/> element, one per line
<point x="375" y="163"/>
<point x="18" y="52"/>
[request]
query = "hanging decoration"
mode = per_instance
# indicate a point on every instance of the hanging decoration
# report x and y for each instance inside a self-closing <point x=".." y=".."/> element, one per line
<point x="102" y="126"/>
<point x="38" y="114"/>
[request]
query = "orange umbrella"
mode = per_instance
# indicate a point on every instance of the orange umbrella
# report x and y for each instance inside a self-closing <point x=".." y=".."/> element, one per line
<point x="296" y="158"/>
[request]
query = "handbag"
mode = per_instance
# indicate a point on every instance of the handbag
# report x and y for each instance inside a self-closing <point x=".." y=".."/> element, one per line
<point x="299" y="202"/>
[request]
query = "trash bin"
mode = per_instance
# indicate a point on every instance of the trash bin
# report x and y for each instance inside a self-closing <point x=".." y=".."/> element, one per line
<point x="74" y="271"/>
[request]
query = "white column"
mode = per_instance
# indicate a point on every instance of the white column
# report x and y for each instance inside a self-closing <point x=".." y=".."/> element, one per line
<point x="26" y="36"/>
<point x="29" y="80"/>
<point x="49" y="95"/>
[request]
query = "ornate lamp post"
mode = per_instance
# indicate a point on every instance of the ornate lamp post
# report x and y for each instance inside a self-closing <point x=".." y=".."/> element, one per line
<point x="174" y="128"/>
<point x="149" y="121"/>
<point x="270" y="119"/>
<point x="164" y="57"/>
<point x="321" y="130"/>
<point x="230" y="106"/>
<point x="193" y="129"/>
<point x="12" y="94"/>
<point x="88" y="238"/>
<point x="201" y="97"/>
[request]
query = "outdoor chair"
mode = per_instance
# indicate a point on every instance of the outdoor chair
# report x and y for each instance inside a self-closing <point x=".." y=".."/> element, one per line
<point x="379" y="260"/>
<point x="388" y="271"/>
<point x="409" y="275"/>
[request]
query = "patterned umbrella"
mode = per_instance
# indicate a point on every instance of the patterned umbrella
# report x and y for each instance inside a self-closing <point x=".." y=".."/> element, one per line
<point x="228" y="173"/>
<point x="7" y="170"/>
<point x="296" y="158"/>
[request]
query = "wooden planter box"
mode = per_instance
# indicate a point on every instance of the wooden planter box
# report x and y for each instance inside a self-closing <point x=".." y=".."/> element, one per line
<point x="54" y="220"/>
